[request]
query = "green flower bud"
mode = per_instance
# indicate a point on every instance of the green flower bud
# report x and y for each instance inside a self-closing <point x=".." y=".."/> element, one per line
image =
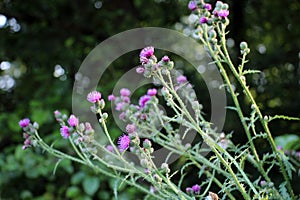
<point x="36" y="125"/>
<point x="144" y="163"/>
<point x="157" y="178"/>
<point x="225" y="6"/>
<point x="147" y="144"/>
<point x="219" y="4"/>
<point x="243" y="45"/>
<point x="212" y="34"/>
<point x="165" y="168"/>
<point x="170" y="65"/>
<point x="104" y="116"/>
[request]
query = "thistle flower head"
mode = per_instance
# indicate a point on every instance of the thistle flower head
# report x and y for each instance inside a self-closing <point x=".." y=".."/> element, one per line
<point x="94" y="96"/>
<point x="146" y="53"/>
<point x="143" y="100"/>
<point x="73" y="121"/>
<point x="24" y="122"/>
<point x="123" y="142"/>
<point x="64" y="131"/>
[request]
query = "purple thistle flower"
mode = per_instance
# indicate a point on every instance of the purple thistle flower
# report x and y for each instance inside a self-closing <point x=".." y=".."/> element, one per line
<point x="207" y="6"/>
<point x="223" y="13"/>
<point x="263" y="183"/>
<point x="126" y="99"/>
<point x="192" y="5"/>
<point x="120" y="106"/>
<point x="125" y="92"/>
<point x="73" y="121"/>
<point x="165" y="59"/>
<point x="146" y="53"/>
<point x="203" y="20"/>
<point x="152" y="92"/>
<point x="279" y="148"/>
<point x="123" y="142"/>
<point x="181" y="79"/>
<point x="56" y="113"/>
<point x="140" y="70"/>
<point x="122" y="115"/>
<point x="110" y="148"/>
<point x="24" y="122"/>
<point x="27" y="143"/>
<point x="64" y="131"/>
<point x="130" y="128"/>
<point x="94" y="96"/>
<point x="196" y="189"/>
<point x="111" y="97"/>
<point x="143" y="100"/>
<point x="189" y="190"/>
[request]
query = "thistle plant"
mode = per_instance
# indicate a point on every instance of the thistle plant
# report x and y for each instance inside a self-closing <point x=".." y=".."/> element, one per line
<point x="221" y="164"/>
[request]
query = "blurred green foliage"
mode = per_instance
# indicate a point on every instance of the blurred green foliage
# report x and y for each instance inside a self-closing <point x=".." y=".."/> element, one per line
<point x="52" y="33"/>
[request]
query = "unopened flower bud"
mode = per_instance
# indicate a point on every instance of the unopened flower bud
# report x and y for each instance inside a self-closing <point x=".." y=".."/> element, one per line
<point x="225" y="6"/>
<point x="81" y="127"/>
<point x="36" y="125"/>
<point x="243" y="45"/>
<point x="147" y="144"/>
<point x="212" y="34"/>
<point x="144" y="163"/>
<point x="165" y="168"/>
<point x="157" y="178"/>
<point x="170" y="65"/>
<point x="101" y="104"/>
<point x="104" y="116"/>
<point x="130" y="128"/>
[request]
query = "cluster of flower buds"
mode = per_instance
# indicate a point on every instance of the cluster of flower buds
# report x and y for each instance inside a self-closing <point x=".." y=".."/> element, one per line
<point x="129" y="111"/>
<point x="150" y="64"/>
<point x="70" y="127"/>
<point x="28" y="132"/>
<point x="244" y="48"/>
<point x="207" y="15"/>
<point x="195" y="189"/>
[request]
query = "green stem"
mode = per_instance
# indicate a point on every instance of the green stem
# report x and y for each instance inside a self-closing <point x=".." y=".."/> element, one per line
<point x="253" y="102"/>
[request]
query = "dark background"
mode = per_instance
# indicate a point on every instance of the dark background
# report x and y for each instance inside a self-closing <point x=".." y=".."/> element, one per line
<point x="40" y="35"/>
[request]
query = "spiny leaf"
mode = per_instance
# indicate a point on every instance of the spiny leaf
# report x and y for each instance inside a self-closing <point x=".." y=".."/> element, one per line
<point x="251" y="71"/>
<point x="283" y="191"/>
<point x="289" y="167"/>
<point x="283" y="117"/>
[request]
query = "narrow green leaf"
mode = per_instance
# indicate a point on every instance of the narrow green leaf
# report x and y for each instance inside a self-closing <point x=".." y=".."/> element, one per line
<point x="250" y="71"/>
<point x="56" y="165"/>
